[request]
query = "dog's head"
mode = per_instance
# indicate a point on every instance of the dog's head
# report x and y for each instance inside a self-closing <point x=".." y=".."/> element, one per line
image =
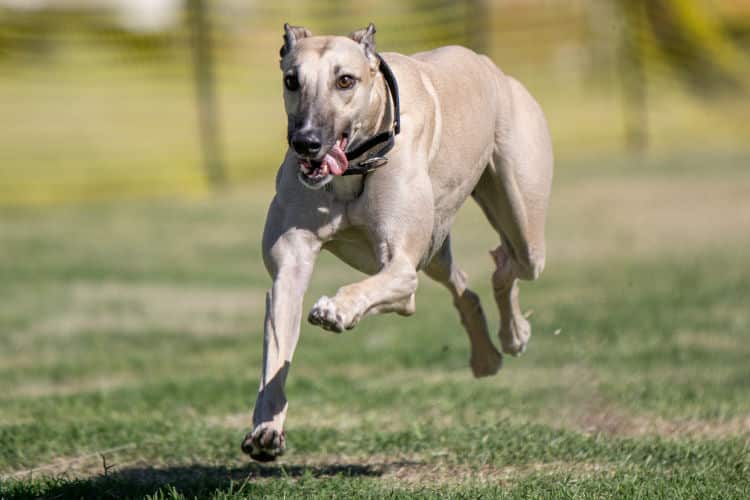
<point x="328" y="82"/>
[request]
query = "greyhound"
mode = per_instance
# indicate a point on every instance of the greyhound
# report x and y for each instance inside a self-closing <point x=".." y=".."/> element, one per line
<point x="465" y="129"/>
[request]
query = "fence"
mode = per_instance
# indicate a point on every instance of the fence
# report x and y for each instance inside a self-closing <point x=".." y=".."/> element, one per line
<point x="102" y="99"/>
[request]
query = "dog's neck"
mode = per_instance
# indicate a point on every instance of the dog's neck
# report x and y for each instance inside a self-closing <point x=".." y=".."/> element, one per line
<point x="381" y="109"/>
<point x="379" y="116"/>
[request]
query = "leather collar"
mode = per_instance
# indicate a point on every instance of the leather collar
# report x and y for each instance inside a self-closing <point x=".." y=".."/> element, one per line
<point x="377" y="158"/>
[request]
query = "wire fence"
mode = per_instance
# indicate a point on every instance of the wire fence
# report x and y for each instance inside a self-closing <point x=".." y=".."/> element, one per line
<point x="116" y="98"/>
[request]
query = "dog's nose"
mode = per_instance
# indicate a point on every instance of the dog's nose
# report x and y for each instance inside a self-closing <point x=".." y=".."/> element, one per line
<point x="306" y="143"/>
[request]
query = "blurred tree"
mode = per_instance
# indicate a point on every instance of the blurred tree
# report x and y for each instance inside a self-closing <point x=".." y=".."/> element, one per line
<point x="477" y="25"/>
<point x="693" y="42"/>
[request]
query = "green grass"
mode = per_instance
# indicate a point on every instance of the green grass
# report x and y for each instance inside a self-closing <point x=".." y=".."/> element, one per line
<point x="132" y="331"/>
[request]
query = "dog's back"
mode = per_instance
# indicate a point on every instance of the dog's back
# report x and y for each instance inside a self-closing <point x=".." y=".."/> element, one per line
<point x="462" y="107"/>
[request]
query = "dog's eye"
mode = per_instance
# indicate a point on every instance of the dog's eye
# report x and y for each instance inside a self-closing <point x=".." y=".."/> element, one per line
<point x="345" y="82"/>
<point x="291" y="82"/>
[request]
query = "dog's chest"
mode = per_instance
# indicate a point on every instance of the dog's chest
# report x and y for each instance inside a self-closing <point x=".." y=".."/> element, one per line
<point x="346" y="189"/>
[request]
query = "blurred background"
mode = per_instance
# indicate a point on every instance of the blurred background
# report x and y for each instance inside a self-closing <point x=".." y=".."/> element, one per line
<point x="107" y="99"/>
<point x="138" y="144"/>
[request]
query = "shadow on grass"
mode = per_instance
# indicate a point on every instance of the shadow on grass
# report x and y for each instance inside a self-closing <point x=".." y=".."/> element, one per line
<point x="190" y="481"/>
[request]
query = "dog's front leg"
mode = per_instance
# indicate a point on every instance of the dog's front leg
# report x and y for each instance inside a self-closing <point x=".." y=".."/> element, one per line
<point x="399" y="215"/>
<point x="289" y="256"/>
<point x="390" y="290"/>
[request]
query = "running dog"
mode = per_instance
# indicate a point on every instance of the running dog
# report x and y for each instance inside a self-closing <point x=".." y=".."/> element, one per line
<point x="383" y="151"/>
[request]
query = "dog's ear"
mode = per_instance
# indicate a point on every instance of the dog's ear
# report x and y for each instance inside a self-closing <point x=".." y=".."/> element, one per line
<point x="291" y="35"/>
<point x="366" y="38"/>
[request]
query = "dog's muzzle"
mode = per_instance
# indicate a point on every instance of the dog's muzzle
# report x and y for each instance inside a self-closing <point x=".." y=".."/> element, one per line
<point x="317" y="173"/>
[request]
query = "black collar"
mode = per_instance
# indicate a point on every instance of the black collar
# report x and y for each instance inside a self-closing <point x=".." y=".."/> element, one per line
<point x="377" y="158"/>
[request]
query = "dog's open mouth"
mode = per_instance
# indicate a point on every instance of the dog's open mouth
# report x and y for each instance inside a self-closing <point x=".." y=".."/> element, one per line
<point x="317" y="173"/>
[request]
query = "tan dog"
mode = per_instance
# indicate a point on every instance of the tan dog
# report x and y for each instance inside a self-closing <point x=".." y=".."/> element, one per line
<point x="466" y="129"/>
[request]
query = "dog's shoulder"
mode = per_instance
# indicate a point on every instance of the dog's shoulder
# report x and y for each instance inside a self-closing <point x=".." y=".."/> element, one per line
<point x="455" y="59"/>
<point x="446" y="55"/>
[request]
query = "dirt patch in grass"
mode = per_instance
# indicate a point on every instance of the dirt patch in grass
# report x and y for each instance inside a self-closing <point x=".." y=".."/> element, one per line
<point x="667" y="219"/>
<point x="614" y="215"/>
<point x="100" y="383"/>
<point x="711" y="341"/>
<point x="420" y="470"/>
<point x="614" y="421"/>
<point x="85" y="465"/>
<point x="330" y="416"/>
<point x="575" y="380"/>
<point x="406" y="470"/>
<point x="132" y="307"/>
<point x="441" y="474"/>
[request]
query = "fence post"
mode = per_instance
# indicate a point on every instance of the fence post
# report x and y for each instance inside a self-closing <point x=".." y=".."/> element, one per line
<point x="633" y="75"/>
<point x="205" y="86"/>
<point x="478" y="25"/>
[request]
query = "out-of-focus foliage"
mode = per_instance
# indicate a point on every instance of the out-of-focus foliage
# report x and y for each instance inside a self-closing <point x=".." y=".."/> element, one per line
<point x="98" y="98"/>
<point x="694" y="41"/>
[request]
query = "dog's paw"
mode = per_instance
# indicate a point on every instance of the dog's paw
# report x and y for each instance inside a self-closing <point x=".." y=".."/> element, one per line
<point x="486" y="363"/>
<point x="326" y="314"/>
<point x="515" y="337"/>
<point x="264" y="444"/>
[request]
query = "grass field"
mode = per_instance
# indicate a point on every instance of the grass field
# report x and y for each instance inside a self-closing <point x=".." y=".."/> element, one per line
<point x="130" y="345"/>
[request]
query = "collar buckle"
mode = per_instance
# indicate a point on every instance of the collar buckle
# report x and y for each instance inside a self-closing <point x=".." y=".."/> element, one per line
<point x="374" y="162"/>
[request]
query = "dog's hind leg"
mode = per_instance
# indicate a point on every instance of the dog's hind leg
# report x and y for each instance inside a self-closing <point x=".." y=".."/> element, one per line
<point x="485" y="359"/>
<point x="513" y="192"/>
<point x="515" y="329"/>
<point x="515" y="258"/>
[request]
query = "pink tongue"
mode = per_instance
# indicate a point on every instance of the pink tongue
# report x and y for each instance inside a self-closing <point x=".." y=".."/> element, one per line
<point x="335" y="159"/>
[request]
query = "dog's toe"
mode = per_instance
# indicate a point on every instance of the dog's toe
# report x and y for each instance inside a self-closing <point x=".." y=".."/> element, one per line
<point x="486" y="363"/>
<point x="325" y="314"/>
<point x="264" y="444"/>
<point x="516" y="338"/>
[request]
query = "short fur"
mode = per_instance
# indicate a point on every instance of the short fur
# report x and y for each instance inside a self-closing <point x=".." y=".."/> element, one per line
<point x="467" y="129"/>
